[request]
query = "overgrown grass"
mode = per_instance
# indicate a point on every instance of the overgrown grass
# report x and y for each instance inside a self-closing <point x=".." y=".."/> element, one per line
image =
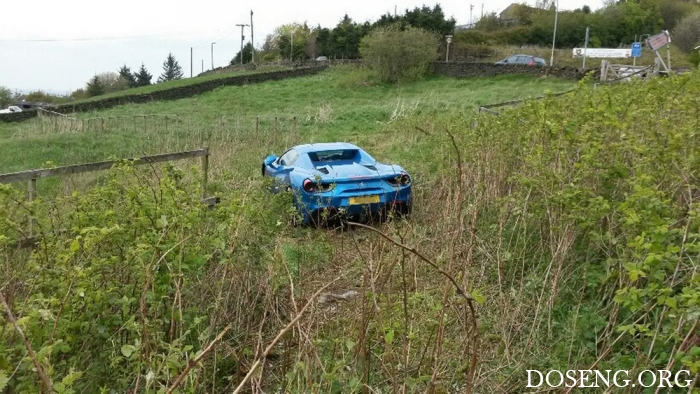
<point x="573" y="230"/>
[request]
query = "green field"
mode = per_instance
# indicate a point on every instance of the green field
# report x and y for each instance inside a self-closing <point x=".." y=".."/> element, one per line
<point x="337" y="104"/>
<point x="563" y="234"/>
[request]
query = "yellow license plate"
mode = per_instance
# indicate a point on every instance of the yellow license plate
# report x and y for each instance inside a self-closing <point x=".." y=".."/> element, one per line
<point x="364" y="200"/>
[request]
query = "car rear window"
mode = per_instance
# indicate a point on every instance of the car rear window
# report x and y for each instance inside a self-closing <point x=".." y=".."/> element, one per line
<point x="333" y="155"/>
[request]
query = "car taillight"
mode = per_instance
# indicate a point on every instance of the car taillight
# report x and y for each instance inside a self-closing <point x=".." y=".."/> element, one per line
<point x="309" y="186"/>
<point x="313" y="187"/>
<point x="402" y="179"/>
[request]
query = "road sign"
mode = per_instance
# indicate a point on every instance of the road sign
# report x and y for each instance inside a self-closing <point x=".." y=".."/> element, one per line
<point x="659" y="41"/>
<point x="614" y="53"/>
<point x="636" y="49"/>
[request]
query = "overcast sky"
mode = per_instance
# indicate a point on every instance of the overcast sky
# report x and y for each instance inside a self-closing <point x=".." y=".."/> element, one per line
<point x="58" y="45"/>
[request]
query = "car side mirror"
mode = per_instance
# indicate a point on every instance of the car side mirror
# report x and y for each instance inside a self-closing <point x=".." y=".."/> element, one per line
<point x="270" y="159"/>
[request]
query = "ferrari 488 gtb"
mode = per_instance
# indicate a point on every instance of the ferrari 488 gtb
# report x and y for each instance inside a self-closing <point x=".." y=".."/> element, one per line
<point x="332" y="180"/>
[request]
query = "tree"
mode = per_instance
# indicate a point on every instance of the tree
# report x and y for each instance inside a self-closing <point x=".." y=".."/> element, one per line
<point x="430" y="20"/>
<point x="247" y="55"/>
<point x="126" y="74"/>
<point x="397" y="55"/>
<point x="43" y="97"/>
<point x="171" y="69"/>
<point x="5" y="96"/>
<point x="94" y="87"/>
<point x="687" y="32"/>
<point x="283" y="40"/>
<point x="344" y="40"/>
<point x="79" y="94"/>
<point x="111" y="82"/>
<point x="143" y="78"/>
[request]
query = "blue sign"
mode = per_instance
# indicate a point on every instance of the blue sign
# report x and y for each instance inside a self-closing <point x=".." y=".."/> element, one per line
<point x="636" y="49"/>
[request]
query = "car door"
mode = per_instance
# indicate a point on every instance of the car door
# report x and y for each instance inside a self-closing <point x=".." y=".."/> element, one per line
<point x="282" y="167"/>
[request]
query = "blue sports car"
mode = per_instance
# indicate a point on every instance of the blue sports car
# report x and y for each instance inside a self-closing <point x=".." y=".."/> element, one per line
<point x="332" y="180"/>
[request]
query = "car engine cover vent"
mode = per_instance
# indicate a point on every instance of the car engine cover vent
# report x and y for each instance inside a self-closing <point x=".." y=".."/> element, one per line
<point x="323" y="169"/>
<point x="371" y="167"/>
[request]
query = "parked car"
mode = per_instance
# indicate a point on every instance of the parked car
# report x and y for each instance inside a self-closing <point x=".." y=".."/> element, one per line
<point x="11" y="109"/>
<point x="523" y="59"/>
<point x="339" y="180"/>
<point x="321" y="58"/>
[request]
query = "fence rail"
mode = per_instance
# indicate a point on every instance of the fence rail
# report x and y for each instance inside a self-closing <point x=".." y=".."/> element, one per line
<point x="98" y="166"/>
<point x="489" y="107"/>
<point x="31" y="177"/>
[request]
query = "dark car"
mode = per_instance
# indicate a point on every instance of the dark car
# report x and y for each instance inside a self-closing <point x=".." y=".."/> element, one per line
<point x="523" y="59"/>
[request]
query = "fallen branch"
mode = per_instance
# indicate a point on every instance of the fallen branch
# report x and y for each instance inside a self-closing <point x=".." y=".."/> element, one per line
<point x="279" y="336"/>
<point x="196" y="360"/>
<point x="39" y="370"/>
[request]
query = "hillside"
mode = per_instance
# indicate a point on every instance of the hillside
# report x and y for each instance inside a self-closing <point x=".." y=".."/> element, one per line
<point x="562" y="234"/>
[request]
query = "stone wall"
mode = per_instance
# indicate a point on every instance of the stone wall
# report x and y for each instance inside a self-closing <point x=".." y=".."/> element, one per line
<point x="18" y="116"/>
<point x="469" y="69"/>
<point x="186" y="91"/>
<point x="277" y="64"/>
<point x="169" y="94"/>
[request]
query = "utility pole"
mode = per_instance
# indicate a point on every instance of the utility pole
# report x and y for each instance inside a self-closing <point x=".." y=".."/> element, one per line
<point x="471" y="7"/>
<point x="394" y="11"/>
<point x="242" y="38"/>
<point x="191" y="72"/>
<point x="212" y="55"/>
<point x="252" y="43"/>
<point x="554" y="39"/>
<point x="482" y="10"/>
<point x="202" y="65"/>
<point x="585" y="48"/>
<point x="291" y="47"/>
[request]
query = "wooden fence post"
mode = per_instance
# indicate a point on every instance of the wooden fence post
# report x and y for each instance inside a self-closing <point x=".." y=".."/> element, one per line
<point x="294" y="127"/>
<point x="205" y="172"/>
<point x="275" y="129"/>
<point x="31" y="195"/>
<point x="257" y="124"/>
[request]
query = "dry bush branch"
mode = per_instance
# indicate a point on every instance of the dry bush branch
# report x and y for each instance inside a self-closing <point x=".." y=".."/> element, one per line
<point x="45" y="382"/>
<point x="196" y="360"/>
<point x="280" y="335"/>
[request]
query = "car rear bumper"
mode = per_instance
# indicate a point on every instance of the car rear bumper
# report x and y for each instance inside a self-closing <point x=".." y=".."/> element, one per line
<point x="340" y="206"/>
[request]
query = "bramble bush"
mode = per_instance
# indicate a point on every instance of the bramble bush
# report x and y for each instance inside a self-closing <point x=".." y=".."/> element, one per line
<point x="130" y="280"/>
<point x="399" y="55"/>
<point x="588" y="226"/>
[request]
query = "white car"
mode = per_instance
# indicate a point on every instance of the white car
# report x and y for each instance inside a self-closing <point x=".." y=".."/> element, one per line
<point x="11" y="109"/>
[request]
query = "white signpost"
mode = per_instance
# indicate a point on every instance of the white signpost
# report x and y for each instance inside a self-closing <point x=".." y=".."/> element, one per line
<point x="603" y="53"/>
